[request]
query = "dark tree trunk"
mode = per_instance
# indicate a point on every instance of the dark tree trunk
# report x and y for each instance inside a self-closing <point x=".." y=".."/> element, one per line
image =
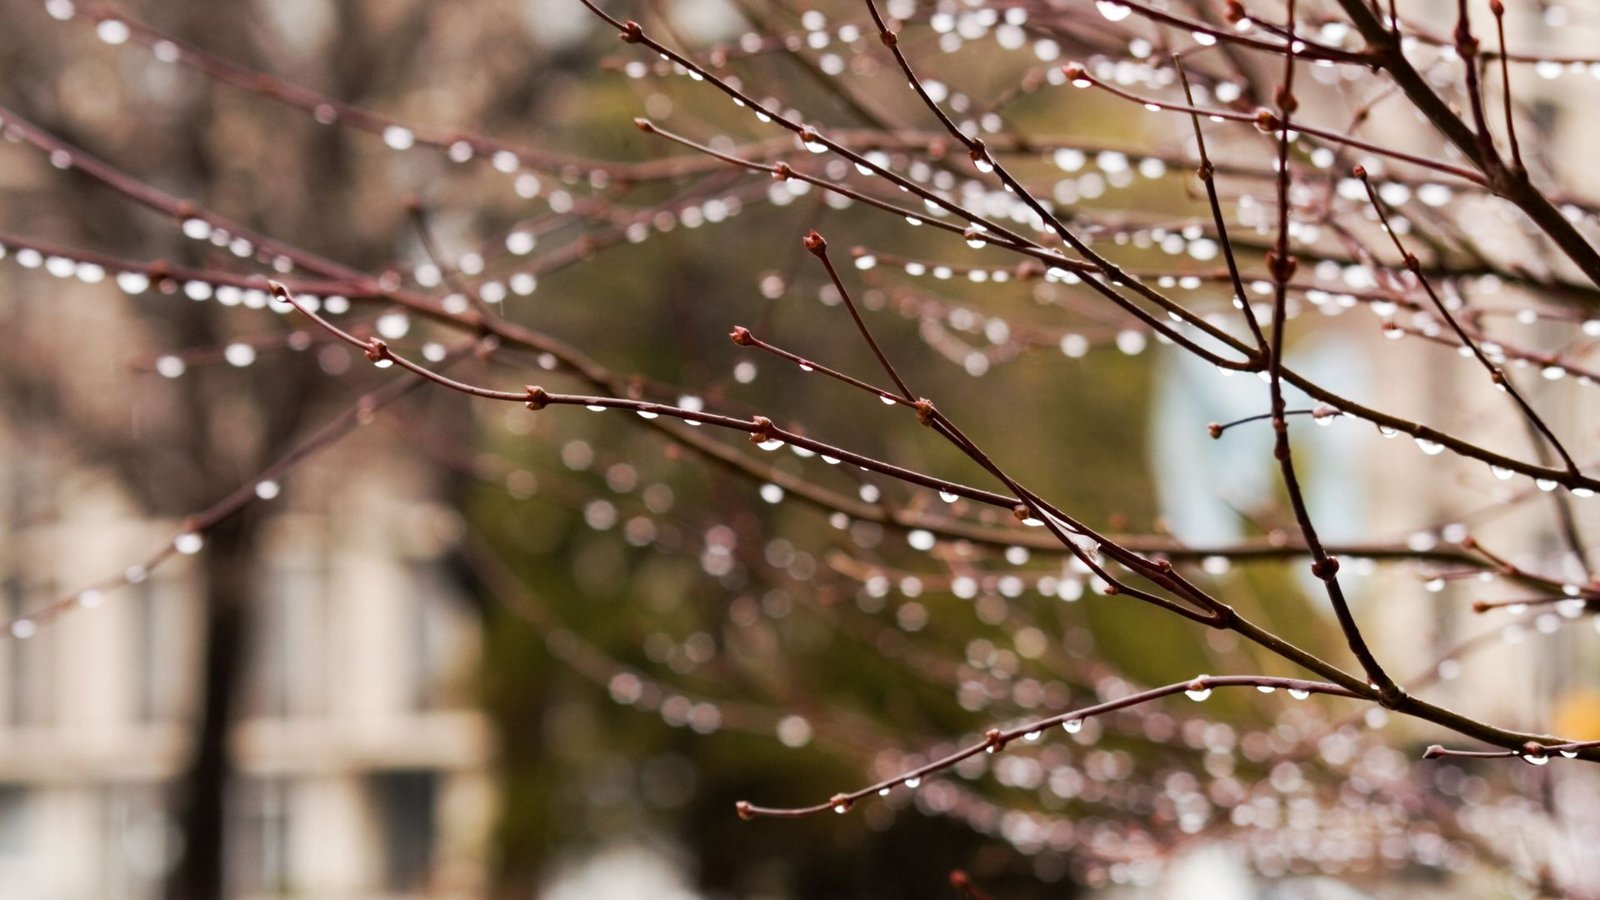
<point x="201" y="791"/>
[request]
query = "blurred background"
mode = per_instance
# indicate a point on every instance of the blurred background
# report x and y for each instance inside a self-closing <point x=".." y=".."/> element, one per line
<point x="466" y="651"/>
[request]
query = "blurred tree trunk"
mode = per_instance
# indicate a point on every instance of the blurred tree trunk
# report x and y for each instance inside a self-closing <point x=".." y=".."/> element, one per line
<point x="201" y="791"/>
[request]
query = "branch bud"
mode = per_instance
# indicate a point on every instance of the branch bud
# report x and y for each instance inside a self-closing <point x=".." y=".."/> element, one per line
<point x="763" y="430"/>
<point x="1282" y="267"/>
<point x="924" y="408"/>
<point x="815" y="243"/>
<point x="631" y="32"/>
<point x="888" y="37"/>
<point x="377" y="350"/>
<point x="742" y="336"/>
<point x="1325" y="568"/>
<point x="1215" y="430"/>
<point x="538" y="397"/>
<point x="744" y="810"/>
<point x="644" y="125"/>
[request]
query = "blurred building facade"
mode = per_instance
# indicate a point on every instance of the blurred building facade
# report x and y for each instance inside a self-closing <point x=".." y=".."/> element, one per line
<point x="362" y="762"/>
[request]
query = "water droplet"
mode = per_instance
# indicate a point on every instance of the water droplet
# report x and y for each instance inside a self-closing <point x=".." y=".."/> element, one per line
<point x="1536" y="759"/>
<point x="913" y="782"/>
<point x="1501" y="472"/>
<point x="239" y="355"/>
<point x="1031" y="736"/>
<point x="133" y="282"/>
<point x="771" y="493"/>
<point x="22" y="629"/>
<point x="1544" y="484"/>
<point x="170" y="366"/>
<point x="112" y="31"/>
<point x="1198" y="690"/>
<point x="1266" y="688"/>
<point x="1431" y="448"/>
<point x="1072" y="726"/>
<point x="1131" y="342"/>
<point x="188" y="543"/>
<point x="398" y="138"/>
<point x="1113" y="12"/>
<point x="1299" y="693"/>
<point x="267" y="489"/>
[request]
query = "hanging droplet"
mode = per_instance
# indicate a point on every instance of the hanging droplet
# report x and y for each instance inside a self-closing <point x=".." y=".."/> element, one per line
<point x="112" y="31"/>
<point x="1198" y="690"/>
<point x="188" y="543"/>
<point x="398" y="138"/>
<point x="1112" y="11"/>
<point x="1299" y="693"/>
<point x="1072" y="726"/>
<point x="267" y="489"/>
